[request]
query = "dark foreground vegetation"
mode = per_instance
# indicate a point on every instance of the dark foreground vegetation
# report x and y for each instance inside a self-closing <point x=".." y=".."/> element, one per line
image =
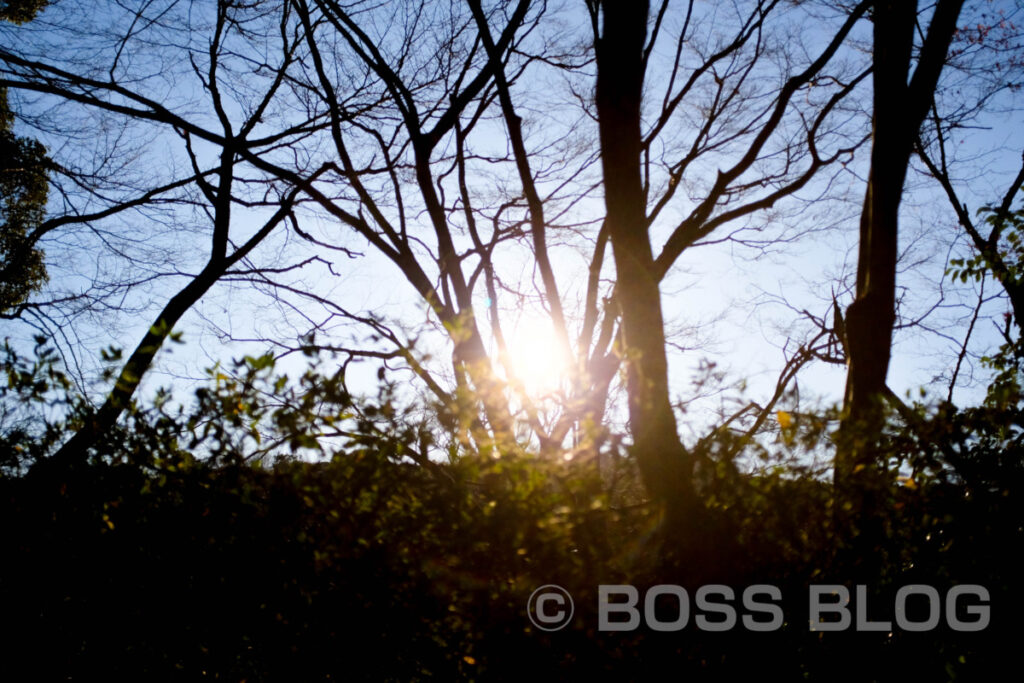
<point x="282" y="174"/>
<point x="173" y="553"/>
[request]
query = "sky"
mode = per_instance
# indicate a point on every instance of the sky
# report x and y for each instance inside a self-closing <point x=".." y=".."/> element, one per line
<point x="737" y="304"/>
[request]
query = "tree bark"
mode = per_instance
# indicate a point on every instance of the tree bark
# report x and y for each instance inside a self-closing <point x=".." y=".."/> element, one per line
<point x="666" y="467"/>
<point x="900" y="106"/>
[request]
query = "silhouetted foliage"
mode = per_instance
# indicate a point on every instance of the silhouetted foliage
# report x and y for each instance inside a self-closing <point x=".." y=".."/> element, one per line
<point x="23" y="191"/>
<point x="278" y="527"/>
<point x="195" y="543"/>
<point x="20" y="11"/>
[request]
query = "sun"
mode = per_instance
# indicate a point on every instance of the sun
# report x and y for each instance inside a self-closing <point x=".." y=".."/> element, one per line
<point x="536" y="357"/>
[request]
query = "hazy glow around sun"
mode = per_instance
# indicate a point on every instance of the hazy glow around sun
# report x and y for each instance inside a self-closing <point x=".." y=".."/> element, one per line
<point x="534" y="354"/>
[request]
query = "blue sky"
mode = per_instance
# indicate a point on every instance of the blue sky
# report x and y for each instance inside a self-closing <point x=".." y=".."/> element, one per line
<point x="737" y="303"/>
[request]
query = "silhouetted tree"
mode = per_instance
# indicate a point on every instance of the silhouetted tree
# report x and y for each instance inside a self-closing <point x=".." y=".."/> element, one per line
<point x="901" y="101"/>
<point x="23" y="191"/>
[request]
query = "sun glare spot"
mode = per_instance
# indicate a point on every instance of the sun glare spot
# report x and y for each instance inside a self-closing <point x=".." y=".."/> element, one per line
<point x="535" y="357"/>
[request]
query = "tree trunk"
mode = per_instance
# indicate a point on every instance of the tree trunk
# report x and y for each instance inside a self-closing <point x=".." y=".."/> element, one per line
<point x="899" y="109"/>
<point x="665" y="466"/>
<point x="76" y="449"/>
<point x="870" y="319"/>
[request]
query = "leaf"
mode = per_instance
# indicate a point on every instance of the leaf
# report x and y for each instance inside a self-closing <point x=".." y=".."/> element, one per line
<point x="908" y="482"/>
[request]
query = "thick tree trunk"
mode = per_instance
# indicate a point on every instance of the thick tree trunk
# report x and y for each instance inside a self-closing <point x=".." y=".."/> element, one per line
<point x="664" y="464"/>
<point x="899" y="108"/>
<point x="870" y="319"/>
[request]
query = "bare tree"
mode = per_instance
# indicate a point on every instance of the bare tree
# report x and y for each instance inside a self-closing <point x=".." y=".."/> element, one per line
<point x="984" y="72"/>
<point x="901" y="102"/>
<point x="221" y="188"/>
<point x="420" y="133"/>
<point x="622" y="54"/>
